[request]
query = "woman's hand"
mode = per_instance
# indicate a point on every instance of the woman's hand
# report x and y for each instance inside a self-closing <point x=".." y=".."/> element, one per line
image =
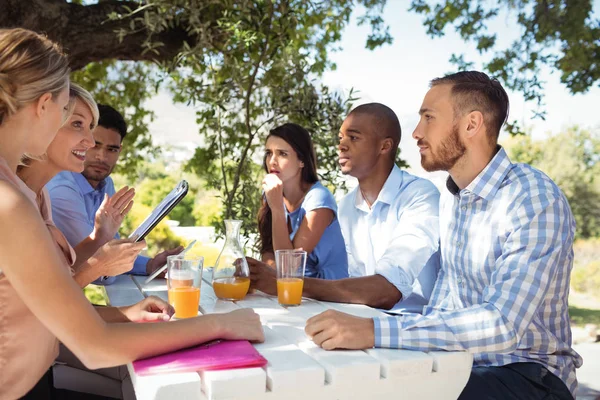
<point x="150" y="309"/>
<point x="117" y="256"/>
<point x="273" y="189"/>
<point x="111" y="213"/>
<point x="243" y="324"/>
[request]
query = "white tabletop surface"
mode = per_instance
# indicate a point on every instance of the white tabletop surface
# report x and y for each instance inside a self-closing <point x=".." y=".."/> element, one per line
<point x="298" y="369"/>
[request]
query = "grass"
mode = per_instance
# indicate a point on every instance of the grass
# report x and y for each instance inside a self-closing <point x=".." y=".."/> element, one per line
<point x="583" y="316"/>
<point x="583" y="309"/>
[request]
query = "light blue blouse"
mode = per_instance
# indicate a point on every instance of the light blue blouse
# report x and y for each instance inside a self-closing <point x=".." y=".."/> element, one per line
<point x="328" y="260"/>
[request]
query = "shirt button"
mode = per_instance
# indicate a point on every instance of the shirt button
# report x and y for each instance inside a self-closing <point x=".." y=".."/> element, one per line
<point x="458" y="244"/>
<point x="464" y="208"/>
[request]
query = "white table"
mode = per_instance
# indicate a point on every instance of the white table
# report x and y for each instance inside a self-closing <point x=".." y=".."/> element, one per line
<point x="298" y="369"/>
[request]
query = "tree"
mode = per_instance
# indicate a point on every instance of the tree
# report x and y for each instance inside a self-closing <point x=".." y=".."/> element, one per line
<point x="246" y="65"/>
<point x="261" y="77"/>
<point x="559" y="34"/>
<point x="121" y="30"/>
<point x="158" y="30"/>
<point x="157" y="177"/>
<point x="572" y="160"/>
<point x="119" y="84"/>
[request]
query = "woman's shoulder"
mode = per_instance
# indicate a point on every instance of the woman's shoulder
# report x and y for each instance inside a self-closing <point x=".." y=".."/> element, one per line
<point x="45" y="204"/>
<point x="318" y="190"/>
<point x="14" y="200"/>
<point x="318" y="196"/>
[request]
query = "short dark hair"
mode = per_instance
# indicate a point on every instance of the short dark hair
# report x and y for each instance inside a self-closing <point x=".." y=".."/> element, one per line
<point x="386" y="121"/>
<point x="475" y="91"/>
<point x="112" y="119"/>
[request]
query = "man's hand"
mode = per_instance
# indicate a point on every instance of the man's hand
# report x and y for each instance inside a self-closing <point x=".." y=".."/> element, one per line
<point x="117" y="256"/>
<point x="148" y="310"/>
<point x="273" y="188"/>
<point x="336" y="330"/>
<point x="111" y="213"/>
<point x="262" y="276"/>
<point x="161" y="259"/>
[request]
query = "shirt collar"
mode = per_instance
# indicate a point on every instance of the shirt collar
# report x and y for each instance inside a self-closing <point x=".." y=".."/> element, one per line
<point x="487" y="183"/>
<point x="85" y="186"/>
<point x="388" y="192"/>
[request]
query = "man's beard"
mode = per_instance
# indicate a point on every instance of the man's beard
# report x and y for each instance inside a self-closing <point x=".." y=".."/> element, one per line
<point x="450" y="150"/>
<point x="93" y="176"/>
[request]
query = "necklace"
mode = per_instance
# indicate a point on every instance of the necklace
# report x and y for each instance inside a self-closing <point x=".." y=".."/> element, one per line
<point x="365" y="197"/>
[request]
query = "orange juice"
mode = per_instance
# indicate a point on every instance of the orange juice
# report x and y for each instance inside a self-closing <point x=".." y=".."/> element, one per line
<point x="289" y="291"/>
<point x="233" y="288"/>
<point x="185" y="301"/>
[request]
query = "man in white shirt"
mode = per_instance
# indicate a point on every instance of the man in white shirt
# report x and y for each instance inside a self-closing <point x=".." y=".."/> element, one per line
<point x="389" y="222"/>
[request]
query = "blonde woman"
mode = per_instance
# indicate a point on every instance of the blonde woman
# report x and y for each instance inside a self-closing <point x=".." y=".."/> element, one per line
<point x="39" y="300"/>
<point x="67" y="153"/>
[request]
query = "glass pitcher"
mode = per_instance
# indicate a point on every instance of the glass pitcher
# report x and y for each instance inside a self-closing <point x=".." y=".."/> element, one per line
<point x="231" y="276"/>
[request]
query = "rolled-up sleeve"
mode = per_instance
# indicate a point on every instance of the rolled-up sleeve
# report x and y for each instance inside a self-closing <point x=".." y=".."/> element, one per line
<point x="415" y="239"/>
<point x="531" y="257"/>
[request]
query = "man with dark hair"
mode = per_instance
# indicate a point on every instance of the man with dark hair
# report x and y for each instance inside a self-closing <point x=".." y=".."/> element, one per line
<point x="76" y="197"/>
<point x="389" y="223"/>
<point x="102" y="159"/>
<point x="384" y="121"/>
<point x="506" y="242"/>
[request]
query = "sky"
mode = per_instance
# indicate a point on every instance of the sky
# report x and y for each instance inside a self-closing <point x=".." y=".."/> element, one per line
<point x="398" y="75"/>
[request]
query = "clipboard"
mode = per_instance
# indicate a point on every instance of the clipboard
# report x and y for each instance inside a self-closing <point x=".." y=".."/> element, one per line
<point x="161" y="211"/>
<point x="211" y="356"/>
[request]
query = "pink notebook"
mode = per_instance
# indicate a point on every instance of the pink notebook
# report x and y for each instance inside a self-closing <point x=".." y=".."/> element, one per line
<point x="206" y="357"/>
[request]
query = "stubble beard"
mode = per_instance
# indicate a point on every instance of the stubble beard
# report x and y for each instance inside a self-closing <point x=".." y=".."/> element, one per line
<point x="91" y="176"/>
<point x="451" y="149"/>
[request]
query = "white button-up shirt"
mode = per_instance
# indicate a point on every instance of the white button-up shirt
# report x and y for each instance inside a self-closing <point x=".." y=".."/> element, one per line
<point x="397" y="238"/>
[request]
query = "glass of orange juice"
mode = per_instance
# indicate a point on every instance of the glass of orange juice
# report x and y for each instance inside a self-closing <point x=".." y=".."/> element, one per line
<point x="290" y="276"/>
<point x="184" y="280"/>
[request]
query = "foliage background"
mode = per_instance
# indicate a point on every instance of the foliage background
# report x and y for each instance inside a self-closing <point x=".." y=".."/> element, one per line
<point x="572" y="160"/>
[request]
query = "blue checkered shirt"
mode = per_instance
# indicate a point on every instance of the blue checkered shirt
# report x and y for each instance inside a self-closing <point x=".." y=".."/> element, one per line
<point x="506" y="257"/>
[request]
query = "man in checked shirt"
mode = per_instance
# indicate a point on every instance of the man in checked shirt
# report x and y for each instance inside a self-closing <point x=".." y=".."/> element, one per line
<point x="506" y="242"/>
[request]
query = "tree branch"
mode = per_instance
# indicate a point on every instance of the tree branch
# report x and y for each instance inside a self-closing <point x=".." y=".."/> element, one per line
<point x="87" y="34"/>
<point x="222" y="156"/>
<point x="251" y="135"/>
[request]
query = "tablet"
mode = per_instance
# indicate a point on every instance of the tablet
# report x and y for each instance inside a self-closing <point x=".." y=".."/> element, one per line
<point x="161" y="211"/>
